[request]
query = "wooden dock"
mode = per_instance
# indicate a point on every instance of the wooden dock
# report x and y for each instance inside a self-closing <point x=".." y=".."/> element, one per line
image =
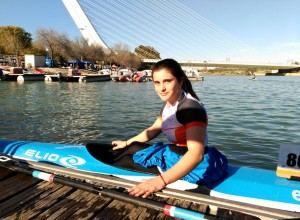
<point x="25" y="197"/>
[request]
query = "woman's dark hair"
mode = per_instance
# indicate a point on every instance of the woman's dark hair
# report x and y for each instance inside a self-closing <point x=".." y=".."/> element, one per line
<point x="174" y="67"/>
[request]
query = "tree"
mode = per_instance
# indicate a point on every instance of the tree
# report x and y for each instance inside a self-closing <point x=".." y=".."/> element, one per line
<point x="14" y="40"/>
<point x="57" y="44"/>
<point x="124" y="57"/>
<point x="84" y="51"/>
<point x="147" y="52"/>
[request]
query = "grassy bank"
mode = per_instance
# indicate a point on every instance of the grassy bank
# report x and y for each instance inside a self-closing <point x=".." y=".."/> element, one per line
<point x="236" y="71"/>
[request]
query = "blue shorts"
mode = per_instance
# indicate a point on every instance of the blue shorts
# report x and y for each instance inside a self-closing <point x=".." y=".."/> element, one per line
<point x="212" y="168"/>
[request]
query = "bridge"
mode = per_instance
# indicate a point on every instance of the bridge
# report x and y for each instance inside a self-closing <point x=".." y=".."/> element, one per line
<point x="173" y="29"/>
<point x="194" y="63"/>
<point x="83" y="23"/>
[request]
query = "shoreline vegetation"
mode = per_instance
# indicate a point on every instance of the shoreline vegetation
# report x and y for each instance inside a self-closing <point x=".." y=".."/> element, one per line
<point x="246" y="72"/>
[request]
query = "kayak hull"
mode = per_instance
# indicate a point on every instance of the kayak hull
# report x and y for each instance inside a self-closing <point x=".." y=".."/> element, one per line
<point x="243" y="184"/>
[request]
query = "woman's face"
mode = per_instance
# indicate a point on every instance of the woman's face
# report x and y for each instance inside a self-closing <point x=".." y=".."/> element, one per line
<point x="166" y="86"/>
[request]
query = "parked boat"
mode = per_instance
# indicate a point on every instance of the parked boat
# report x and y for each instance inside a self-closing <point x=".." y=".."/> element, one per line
<point x="20" y="74"/>
<point x="5" y="69"/>
<point x="94" y="78"/>
<point x="123" y="78"/>
<point x="24" y="77"/>
<point x="31" y="77"/>
<point x="105" y="71"/>
<point x="194" y="75"/>
<point x="11" y="73"/>
<point x="53" y="77"/>
<point x="73" y="75"/>
<point x="138" y="77"/>
<point x="10" y="77"/>
<point x="241" y="184"/>
<point x="129" y="75"/>
<point x="124" y="75"/>
<point x="36" y="71"/>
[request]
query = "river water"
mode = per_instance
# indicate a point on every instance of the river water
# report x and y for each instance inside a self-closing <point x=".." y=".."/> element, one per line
<point x="248" y="119"/>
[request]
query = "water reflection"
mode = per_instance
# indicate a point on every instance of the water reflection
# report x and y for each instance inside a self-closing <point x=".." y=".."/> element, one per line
<point x="247" y="119"/>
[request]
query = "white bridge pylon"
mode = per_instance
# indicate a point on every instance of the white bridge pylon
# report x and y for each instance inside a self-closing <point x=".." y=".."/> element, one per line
<point x="83" y="23"/>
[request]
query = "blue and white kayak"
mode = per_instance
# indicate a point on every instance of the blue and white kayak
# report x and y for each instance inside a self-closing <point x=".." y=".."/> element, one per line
<point x="242" y="184"/>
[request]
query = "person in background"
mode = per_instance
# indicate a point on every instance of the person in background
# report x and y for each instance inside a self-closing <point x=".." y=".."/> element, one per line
<point x="183" y="119"/>
<point x="252" y="75"/>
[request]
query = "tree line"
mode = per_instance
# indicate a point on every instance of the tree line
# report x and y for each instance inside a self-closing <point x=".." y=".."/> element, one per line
<point x="17" y="42"/>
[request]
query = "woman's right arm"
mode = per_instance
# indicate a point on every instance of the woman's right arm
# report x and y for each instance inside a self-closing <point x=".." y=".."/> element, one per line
<point x="148" y="134"/>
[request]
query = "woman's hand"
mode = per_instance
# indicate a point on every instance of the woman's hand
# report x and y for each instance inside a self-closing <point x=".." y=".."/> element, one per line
<point x="148" y="187"/>
<point x="119" y="144"/>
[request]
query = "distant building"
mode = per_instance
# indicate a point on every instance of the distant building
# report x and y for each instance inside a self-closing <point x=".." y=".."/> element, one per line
<point x="32" y="61"/>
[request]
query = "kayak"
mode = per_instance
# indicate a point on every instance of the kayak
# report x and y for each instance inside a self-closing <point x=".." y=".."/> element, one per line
<point x="241" y="184"/>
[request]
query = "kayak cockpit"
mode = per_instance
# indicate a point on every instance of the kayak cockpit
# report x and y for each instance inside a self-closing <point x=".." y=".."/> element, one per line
<point x="101" y="152"/>
<point x="105" y="154"/>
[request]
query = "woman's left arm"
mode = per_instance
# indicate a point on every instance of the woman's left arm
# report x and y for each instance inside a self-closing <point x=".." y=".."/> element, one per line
<point x="196" y="137"/>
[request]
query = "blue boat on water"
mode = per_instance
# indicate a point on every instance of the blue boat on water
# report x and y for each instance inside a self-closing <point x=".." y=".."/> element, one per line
<point x="241" y="184"/>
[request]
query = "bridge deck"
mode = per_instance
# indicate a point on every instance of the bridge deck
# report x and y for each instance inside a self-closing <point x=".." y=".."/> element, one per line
<point x="192" y="63"/>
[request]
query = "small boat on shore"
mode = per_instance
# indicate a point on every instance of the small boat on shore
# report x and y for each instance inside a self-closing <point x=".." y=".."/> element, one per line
<point x="241" y="184"/>
<point x="193" y="75"/>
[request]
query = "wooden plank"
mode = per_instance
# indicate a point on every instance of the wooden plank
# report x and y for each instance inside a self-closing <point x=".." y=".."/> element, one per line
<point x="120" y="210"/>
<point x="15" y="185"/>
<point x="21" y="198"/>
<point x="5" y="173"/>
<point x="73" y="203"/>
<point x="93" y="206"/>
<point x="41" y="201"/>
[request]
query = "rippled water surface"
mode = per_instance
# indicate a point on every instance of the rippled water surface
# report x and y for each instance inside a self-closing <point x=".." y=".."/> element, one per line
<point x="247" y="119"/>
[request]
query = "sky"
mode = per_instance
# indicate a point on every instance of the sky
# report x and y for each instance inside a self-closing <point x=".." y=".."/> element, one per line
<point x="248" y="30"/>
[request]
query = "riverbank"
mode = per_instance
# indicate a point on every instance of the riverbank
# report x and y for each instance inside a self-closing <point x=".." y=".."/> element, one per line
<point x="244" y="72"/>
<point x="216" y="71"/>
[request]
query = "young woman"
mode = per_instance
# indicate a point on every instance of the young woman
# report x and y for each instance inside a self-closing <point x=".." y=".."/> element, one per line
<point x="183" y="120"/>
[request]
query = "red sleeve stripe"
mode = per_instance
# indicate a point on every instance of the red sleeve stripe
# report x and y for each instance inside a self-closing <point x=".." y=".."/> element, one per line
<point x="196" y="123"/>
